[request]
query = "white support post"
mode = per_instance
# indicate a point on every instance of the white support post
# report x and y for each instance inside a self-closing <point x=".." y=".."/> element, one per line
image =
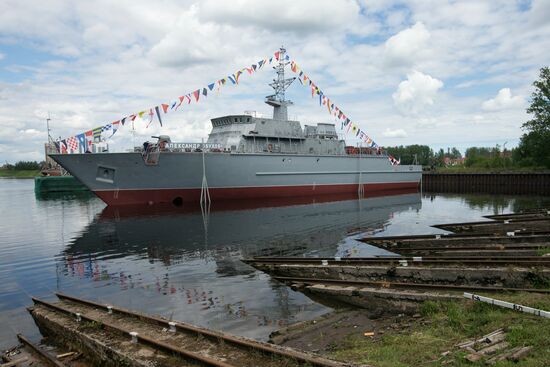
<point x="509" y="305"/>
<point x="205" y="194"/>
<point x="360" y="188"/>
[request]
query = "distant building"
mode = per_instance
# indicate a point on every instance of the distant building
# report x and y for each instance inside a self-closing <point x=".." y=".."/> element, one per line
<point x="453" y="161"/>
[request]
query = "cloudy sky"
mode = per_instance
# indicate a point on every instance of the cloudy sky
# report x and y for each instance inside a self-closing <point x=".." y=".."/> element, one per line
<point x="442" y="73"/>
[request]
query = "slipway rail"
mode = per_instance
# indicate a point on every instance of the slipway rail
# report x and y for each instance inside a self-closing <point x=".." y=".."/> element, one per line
<point x="401" y="285"/>
<point x="223" y="350"/>
<point x="469" y="245"/>
<point x="528" y="261"/>
<point x="517" y="216"/>
<point x="42" y="355"/>
<point x="537" y="236"/>
<point x="503" y="226"/>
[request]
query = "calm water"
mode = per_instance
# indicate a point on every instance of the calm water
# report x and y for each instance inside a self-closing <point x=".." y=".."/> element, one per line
<point x="185" y="264"/>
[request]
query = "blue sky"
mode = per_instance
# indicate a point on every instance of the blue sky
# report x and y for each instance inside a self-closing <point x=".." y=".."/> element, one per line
<point x="441" y="73"/>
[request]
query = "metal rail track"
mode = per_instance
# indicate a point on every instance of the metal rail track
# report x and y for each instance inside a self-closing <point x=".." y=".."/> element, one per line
<point x="518" y="216"/>
<point x="451" y="237"/>
<point x="45" y="357"/>
<point x="142" y="339"/>
<point x="505" y="225"/>
<point x="535" y="210"/>
<point x="383" y="284"/>
<point x="478" y="253"/>
<point x="496" y="221"/>
<point x="404" y="261"/>
<point x="189" y="329"/>
<point x="495" y="247"/>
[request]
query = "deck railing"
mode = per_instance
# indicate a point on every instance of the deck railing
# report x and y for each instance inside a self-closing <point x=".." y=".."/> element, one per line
<point x="293" y="148"/>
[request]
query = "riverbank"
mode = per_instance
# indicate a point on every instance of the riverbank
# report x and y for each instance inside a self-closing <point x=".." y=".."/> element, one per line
<point x="8" y="173"/>
<point x="429" y="338"/>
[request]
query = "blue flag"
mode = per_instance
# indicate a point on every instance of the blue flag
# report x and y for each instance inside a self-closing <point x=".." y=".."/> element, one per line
<point x="82" y="142"/>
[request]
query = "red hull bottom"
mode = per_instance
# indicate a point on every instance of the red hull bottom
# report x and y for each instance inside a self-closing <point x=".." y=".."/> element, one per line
<point x="180" y="196"/>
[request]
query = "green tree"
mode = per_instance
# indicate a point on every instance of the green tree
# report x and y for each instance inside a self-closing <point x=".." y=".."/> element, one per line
<point x="534" y="146"/>
<point x="455" y="153"/>
<point x="26" y="165"/>
<point x="439" y="158"/>
<point x="407" y="154"/>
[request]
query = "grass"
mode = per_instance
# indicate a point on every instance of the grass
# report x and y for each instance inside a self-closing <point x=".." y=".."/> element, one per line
<point x="8" y="173"/>
<point x="449" y="323"/>
<point x="91" y="325"/>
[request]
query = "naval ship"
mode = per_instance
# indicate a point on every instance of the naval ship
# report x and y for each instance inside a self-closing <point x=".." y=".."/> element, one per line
<point x="245" y="157"/>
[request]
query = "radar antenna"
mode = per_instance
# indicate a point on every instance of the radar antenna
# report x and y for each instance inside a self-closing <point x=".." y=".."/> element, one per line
<point x="280" y="84"/>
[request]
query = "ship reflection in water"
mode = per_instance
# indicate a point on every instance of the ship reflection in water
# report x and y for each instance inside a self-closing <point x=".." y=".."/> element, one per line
<point x="184" y="263"/>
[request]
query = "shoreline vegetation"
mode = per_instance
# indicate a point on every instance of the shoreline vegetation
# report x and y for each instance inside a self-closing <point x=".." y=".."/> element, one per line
<point x="431" y="340"/>
<point x="8" y="173"/>
<point x="21" y="169"/>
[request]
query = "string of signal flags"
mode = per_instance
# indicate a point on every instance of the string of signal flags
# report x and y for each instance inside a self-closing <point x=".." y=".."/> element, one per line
<point x="82" y="142"/>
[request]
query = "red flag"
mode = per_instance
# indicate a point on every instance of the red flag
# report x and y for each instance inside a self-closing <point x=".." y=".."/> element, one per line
<point x="277" y="55"/>
<point x="164" y="107"/>
<point x="151" y="114"/>
<point x="196" y="94"/>
<point x="89" y="138"/>
<point x="181" y="101"/>
<point x="63" y="146"/>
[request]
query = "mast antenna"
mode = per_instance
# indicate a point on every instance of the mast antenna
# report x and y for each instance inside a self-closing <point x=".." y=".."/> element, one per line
<point x="280" y="85"/>
<point x="48" y="119"/>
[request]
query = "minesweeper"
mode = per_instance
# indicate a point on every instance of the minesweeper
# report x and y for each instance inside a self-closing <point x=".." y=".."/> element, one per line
<point x="245" y="157"/>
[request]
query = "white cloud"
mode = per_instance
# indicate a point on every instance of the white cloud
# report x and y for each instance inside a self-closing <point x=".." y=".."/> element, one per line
<point x="540" y="12"/>
<point x="394" y="133"/>
<point x="416" y="93"/>
<point x="190" y="42"/>
<point x="407" y="46"/>
<point x="1" y="56"/>
<point x="30" y="132"/>
<point x="503" y="101"/>
<point x="284" y="15"/>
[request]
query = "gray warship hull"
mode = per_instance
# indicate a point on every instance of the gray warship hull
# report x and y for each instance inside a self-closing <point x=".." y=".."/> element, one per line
<point x="177" y="177"/>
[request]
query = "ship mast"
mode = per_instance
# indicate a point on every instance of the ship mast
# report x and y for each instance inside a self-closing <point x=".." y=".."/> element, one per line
<point x="280" y="84"/>
<point x="48" y="119"/>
